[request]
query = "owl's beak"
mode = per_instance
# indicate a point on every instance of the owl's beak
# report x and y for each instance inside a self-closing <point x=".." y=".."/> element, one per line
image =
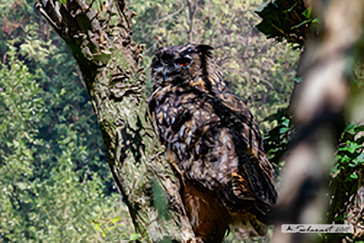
<point x="165" y="74"/>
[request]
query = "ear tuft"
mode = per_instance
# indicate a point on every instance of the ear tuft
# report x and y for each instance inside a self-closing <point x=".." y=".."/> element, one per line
<point x="204" y="48"/>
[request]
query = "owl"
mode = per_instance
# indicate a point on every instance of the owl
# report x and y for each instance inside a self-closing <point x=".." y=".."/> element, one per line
<point x="212" y="143"/>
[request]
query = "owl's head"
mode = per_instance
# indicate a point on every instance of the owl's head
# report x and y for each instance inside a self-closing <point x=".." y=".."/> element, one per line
<point x="177" y="64"/>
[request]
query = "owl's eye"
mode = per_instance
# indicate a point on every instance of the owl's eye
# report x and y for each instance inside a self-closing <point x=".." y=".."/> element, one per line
<point x="183" y="61"/>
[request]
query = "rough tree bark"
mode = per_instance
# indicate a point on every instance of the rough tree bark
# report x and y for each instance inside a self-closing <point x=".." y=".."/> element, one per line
<point x="110" y="62"/>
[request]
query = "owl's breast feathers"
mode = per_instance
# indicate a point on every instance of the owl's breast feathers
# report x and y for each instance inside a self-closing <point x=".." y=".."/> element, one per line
<point x="215" y="142"/>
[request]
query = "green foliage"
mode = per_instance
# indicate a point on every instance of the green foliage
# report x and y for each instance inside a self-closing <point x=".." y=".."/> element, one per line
<point x="64" y="95"/>
<point x="43" y="197"/>
<point x="55" y="178"/>
<point x="346" y="176"/>
<point x="277" y="139"/>
<point x="348" y="167"/>
<point x="286" y="20"/>
<point x="350" y="157"/>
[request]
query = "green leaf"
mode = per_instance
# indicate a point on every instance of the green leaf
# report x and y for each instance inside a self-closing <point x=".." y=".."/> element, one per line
<point x="281" y="21"/>
<point x="134" y="236"/>
<point x="98" y="227"/>
<point x="116" y="219"/>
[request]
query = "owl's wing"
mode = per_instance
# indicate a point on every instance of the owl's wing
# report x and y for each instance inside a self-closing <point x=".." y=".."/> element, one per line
<point x="248" y="141"/>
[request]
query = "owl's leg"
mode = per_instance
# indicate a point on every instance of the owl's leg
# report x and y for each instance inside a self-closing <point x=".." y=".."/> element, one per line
<point x="208" y="218"/>
<point x="259" y="228"/>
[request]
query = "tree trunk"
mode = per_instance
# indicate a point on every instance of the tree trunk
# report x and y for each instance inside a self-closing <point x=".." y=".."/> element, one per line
<point x="110" y="62"/>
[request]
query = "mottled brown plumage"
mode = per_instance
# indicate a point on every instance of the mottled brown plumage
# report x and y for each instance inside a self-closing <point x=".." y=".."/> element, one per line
<point x="213" y="143"/>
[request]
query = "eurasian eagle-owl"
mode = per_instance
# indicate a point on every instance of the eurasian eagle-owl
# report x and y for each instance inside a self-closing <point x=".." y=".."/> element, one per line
<point x="212" y="142"/>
